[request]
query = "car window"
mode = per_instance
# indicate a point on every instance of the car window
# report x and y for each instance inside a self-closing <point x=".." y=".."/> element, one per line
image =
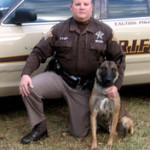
<point x="127" y="8"/>
<point x="47" y="10"/>
<point x="5" y="6"/>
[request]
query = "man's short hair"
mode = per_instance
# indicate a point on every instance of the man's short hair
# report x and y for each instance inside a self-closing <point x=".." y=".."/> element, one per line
<point x="72" y="1"/>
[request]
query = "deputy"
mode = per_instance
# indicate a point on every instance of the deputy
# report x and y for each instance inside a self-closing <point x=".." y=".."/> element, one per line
<point x="81" y="43"/>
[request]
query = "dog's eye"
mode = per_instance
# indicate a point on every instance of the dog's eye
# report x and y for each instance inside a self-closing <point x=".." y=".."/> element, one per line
<point x="113" y="70"/>
<point x="104" y="69"/>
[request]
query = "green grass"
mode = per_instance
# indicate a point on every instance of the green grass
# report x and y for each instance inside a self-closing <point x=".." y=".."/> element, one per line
<point x="14" y="125"/>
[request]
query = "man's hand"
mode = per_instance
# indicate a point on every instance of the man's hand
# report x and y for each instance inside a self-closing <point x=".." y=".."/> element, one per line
<point x="111" y="92"/>
<point x="23" y="86"/>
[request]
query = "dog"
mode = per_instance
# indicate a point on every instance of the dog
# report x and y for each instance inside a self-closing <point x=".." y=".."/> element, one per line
<point x="104" y="112"/>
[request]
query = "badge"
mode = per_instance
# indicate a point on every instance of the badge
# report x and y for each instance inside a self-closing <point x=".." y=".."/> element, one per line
<point x="99" y="35"/>
<point x="99" y="38"/>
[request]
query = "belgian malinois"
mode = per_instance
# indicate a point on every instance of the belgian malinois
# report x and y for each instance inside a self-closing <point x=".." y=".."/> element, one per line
<point x="107" y="113"/>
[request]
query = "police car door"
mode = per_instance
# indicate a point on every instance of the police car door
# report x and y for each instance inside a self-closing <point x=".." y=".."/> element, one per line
<point x="19" y="33"/>
<point x="130" y="21"/>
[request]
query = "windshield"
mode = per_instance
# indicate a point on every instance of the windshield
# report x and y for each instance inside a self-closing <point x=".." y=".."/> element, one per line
<point x="5" y="5"/>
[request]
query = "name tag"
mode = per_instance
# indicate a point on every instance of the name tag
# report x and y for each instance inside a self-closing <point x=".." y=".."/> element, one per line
<point x="99" y="41"/>
<point x="64" y="38"/>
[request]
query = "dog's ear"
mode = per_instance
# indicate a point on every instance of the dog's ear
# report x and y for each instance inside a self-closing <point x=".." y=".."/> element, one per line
<point x="101" y="62"/>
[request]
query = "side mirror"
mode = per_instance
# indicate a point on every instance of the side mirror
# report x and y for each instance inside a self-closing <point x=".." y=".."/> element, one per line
<point x="24" y="15"/>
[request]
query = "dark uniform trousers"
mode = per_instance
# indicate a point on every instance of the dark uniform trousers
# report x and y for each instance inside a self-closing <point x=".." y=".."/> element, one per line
<point x="49" y="85"/>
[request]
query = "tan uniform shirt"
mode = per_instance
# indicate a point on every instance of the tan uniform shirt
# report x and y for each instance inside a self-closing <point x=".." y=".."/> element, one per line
<point x="79" y="53"/>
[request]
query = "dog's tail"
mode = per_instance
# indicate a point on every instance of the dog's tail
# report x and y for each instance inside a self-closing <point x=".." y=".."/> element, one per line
<point x="125" y="126"/>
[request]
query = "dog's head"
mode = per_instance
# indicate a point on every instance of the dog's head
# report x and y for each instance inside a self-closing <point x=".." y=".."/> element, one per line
<point x="107" y="73"/>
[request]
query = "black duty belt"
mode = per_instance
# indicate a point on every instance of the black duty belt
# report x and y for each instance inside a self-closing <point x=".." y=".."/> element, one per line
<point x="74" y="81"/>
<point x="71" y="80"/>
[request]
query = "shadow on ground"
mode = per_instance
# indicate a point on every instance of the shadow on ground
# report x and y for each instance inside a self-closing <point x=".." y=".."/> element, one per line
<point x="136" y="90"/>
<point x="15" y="103"/>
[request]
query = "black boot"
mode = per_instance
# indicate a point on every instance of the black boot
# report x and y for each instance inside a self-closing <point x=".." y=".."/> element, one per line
<point x="38" y="132"/>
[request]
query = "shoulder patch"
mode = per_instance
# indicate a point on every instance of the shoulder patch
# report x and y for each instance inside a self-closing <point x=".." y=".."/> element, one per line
<point x="49" y="34"/>
<point x="114" y="38"/>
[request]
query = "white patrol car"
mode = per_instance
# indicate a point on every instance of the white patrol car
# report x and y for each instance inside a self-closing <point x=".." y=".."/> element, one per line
<point x="24" y="22"/>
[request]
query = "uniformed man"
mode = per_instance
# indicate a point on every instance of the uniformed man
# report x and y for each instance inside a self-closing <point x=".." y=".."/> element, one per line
<point x="81" y="43"/>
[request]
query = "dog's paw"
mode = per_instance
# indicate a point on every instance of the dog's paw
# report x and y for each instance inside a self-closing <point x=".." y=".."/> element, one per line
<point x="94" y="145"/>
<point x="94" y="148"/>
<point x="108" y="146"/>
